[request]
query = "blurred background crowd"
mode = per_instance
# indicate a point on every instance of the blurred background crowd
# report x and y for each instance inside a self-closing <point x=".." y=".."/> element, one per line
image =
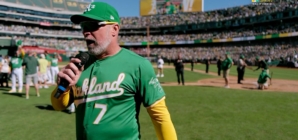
<point x="201" y="17"/>
<point x="66" y="43"/>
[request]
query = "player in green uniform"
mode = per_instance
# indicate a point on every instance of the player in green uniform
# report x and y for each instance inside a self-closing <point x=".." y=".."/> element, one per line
<point x="49" y="74"/>
<point x="225" y="66"/>
<point x="16" y="70"/>
<point x="262" y="64"/>
<point x="262" y="81"/>
<point x="110" y="89"/>
<point x="54" y="67"/>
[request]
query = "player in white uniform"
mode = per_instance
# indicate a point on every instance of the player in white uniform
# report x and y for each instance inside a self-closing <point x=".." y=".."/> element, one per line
<point x="160" y="63"/>
<point x="17" y="70"/>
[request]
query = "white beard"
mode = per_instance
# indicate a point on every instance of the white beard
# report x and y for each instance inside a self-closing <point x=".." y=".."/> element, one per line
<point x="101" y="47"/>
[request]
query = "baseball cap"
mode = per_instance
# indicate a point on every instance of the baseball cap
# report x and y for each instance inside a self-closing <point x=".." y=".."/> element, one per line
<point x="257" y="58"/>
<point x="42" y="56"/>
<point x="98" y="11"/>
<point x="242" y="56"/>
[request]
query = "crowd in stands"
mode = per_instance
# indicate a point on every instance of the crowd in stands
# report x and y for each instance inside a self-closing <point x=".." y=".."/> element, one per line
<point x="37" y="30"/>
<point x="200" y="17"/>
<point x="208" y="16"/>
<point x="269" y="51"/>
<point x="66" y="43"/>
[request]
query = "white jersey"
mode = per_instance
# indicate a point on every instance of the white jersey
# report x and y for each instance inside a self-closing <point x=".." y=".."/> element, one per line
<point x="5" y="66"/>
<point x="240" y="63"/>
<point x="160" y="63"/>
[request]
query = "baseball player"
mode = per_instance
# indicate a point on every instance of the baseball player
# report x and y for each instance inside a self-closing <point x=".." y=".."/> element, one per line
<point x="16" y="70"/>
<point x="108" y="95"/>
<point x="54" y="67"/>
<point x="226" y="66"/>
<point x="49" y="74"/>
<point x="262" y="64"/>
<point x="160" y="63"/>
<point x="42" y="76"/>
<point x="263" y="78"/>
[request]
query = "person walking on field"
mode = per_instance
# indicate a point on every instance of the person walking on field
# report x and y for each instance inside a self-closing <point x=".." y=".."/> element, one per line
<point x="54" y="67"/>
<point x="17" y="70"/>
<point x="218" y="65"/>
<point x="207" y="62"/>
<point x="226" y="66"/>
<point x="42" y="75"/>
<point x="5" y="70"/>
<point x="160" y="63"/>
<point x="49" y="74"/>
<point x="179" y="67"/>
<point x="240" y="68"/>
<point x="30" y="63"/>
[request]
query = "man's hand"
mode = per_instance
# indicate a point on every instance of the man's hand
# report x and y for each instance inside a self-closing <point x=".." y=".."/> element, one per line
<point x="70" y="72"/>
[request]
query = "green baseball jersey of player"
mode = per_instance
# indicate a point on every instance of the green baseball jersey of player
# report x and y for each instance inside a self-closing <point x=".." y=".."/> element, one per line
<point x="109" y="94"/>
<point x="54" y="62"/>
<point x="263" y="77"/>
<point x="48" y="57"/>
<point x="16" y="62"/>
<point x="226" y="64"/>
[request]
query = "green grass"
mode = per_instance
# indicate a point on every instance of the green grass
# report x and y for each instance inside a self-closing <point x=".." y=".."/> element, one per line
<point x="198" y="113"/>
<point x="278" y="73"/>
<point x="189" y="76"/>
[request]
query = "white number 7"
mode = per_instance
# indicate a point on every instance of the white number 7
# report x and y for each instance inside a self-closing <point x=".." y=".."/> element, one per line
<point x="101" y="113"/>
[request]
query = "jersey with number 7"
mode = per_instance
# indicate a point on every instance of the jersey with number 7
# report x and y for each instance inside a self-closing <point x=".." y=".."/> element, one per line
<point x="109" y="93"/>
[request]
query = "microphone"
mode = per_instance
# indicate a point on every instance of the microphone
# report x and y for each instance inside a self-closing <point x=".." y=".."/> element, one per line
<point x="64" y="83"/>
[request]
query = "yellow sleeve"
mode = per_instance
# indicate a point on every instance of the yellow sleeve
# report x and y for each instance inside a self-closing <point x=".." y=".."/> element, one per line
<point x="22" y="55"/>
<point x="63" y="101"/>
<point x="161" y="120"/>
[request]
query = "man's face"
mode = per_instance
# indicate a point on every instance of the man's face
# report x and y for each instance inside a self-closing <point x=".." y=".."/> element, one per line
<point x="98" y="37"/>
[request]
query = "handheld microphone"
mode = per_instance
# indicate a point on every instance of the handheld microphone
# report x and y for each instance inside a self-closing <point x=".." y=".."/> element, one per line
<point x="64" y="83"/>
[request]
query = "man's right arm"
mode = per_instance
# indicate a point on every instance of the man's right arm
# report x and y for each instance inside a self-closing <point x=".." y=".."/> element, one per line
<point x="259" y="66"/>
<point x="70" y="73"/>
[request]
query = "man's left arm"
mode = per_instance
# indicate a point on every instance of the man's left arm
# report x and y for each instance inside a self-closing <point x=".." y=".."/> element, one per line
<point x="153" y="98"/>
<point x="161" y="120"/>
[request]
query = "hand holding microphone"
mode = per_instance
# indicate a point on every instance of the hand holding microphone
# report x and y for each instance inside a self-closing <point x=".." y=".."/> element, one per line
<point x="71" y="73"/>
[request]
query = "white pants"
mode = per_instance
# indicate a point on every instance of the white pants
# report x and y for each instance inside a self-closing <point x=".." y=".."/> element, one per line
<point x="54" y="71"/>
<point x="43" y="77"/>
<point x="17" y="73"/>
<point x="49" y="75"/>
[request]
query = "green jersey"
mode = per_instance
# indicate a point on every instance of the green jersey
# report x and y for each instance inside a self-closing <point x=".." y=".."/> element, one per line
<point x="226" y="64"/>
<point x="171" y="9"/>
<point x="109" y="93"/>
<point x="48" y="57"/>
<point x="16" y="62"/>
<point x="31" y="64"/>
<point x="263" y="77"/>
<point x="54" y="62"/>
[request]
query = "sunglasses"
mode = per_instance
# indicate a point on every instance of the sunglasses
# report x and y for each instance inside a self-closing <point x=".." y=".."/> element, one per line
<point x="94" y="25"/>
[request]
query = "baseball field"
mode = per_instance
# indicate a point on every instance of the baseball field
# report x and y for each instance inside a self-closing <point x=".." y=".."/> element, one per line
<point x="200" y="110"/>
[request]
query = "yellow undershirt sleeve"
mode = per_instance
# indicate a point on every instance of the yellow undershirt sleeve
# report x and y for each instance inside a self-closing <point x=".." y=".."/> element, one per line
<point x="161" y="120"/>
<point x="63" y="101"/>
<point x="22" y="53"/>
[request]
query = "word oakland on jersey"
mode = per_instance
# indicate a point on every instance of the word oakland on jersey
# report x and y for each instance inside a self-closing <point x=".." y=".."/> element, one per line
<point x="109" y="93"/>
